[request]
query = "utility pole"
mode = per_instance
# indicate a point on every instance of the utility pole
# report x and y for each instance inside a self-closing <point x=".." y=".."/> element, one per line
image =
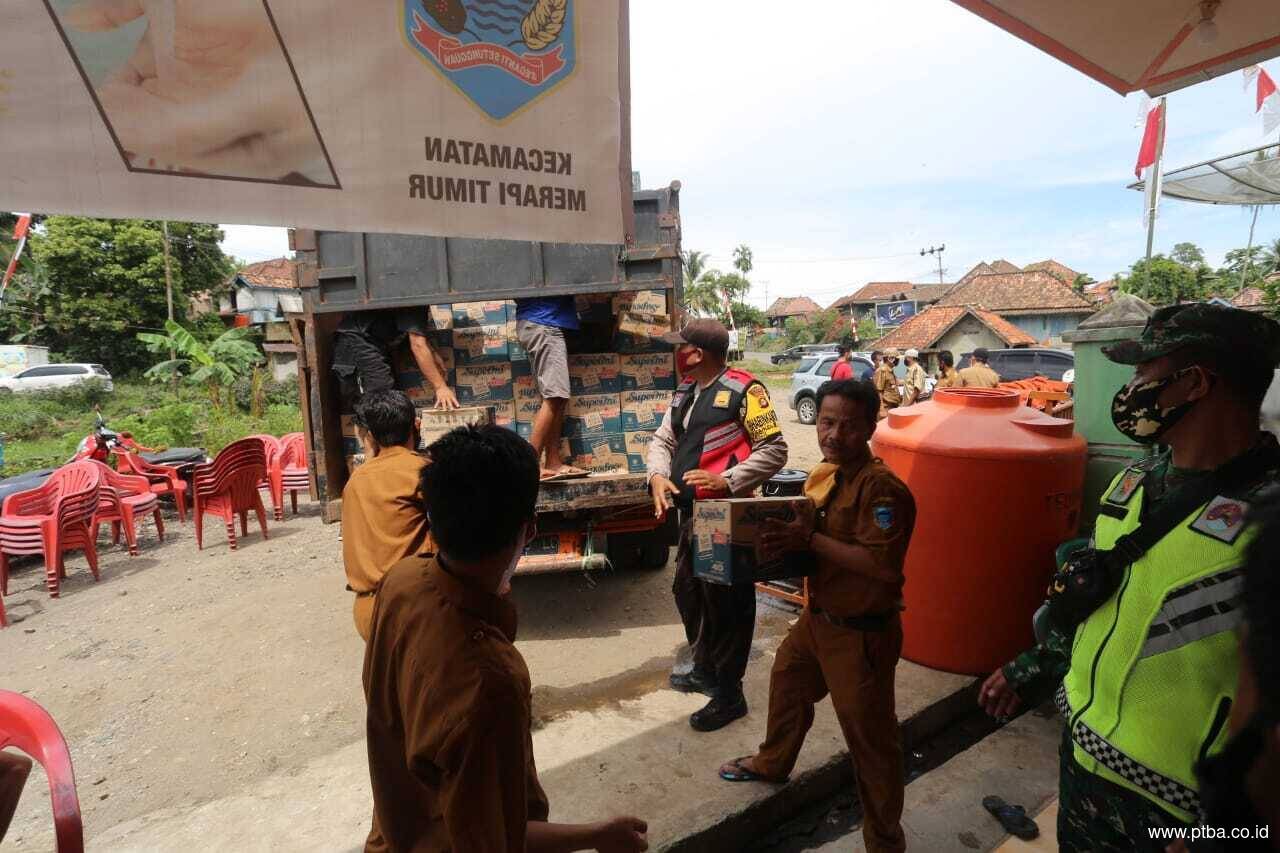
<point x="937" y="251"/>
<point x="168" y="293"/>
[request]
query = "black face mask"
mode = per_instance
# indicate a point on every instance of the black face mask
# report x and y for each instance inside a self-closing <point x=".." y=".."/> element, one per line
<point x="1223" y="794"/>
<point x="1136" y="413"/>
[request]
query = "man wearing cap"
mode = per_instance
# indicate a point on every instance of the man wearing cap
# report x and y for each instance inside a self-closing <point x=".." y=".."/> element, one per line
<point x="1143" y="649"/>
<point x="886" y="382"/>
<point x="915" y="381"/>
<point x="979" y="374"/>
<point x="719" y="438"/>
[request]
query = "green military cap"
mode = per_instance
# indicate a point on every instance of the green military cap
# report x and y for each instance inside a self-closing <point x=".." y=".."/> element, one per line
<point x="1230" y="331"/>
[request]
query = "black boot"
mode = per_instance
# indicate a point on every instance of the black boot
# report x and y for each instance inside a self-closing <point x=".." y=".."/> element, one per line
<point x="725" y="707"/>
<point x="693" y="681"/>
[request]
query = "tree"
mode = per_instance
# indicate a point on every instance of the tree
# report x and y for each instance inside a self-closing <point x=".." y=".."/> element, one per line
<point x="1161" y="282"/>
<point x="748" y="316"/>
<point x="1081" y="282"/>
<point x="95" y="282"/>
<point x="1242" y="268"/>
<point x="867" y="329"/>
<point x="742" y="260"/>
<point x="1187" y="254"/>
<point x="215" y="366"/>
<point x="701" y="297"/>
<point x="1271" y="257"/>
<point x="695" y="264"/>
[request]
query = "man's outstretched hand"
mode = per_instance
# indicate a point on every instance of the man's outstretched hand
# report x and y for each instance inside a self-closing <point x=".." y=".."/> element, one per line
<point x="997" y="697"/>
<point x="622" y="835"/>
<point x="446" y="399"/>
<point x="662" y="490"/>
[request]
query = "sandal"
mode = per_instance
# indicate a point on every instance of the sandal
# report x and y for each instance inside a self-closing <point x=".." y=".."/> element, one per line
<point x="1013" y="818"/>
<point x="742" y="774"/>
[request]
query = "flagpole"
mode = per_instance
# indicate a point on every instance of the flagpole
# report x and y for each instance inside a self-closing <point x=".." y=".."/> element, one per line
<point x="1153" y="191"/>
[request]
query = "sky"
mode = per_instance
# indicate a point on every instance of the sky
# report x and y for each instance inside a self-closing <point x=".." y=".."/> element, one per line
<point x="838" y="145"/>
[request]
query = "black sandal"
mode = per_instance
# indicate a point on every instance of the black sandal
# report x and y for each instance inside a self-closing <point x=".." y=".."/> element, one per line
<point x="742" y="774"/>
<point x="1013" y="818"/>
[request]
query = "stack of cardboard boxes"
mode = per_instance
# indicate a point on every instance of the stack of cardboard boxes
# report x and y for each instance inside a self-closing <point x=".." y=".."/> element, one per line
<point x="618" y="396"/>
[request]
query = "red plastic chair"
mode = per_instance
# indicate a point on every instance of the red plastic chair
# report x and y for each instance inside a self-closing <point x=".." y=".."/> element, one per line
<point x="290" y="472"/>
<point x="271" y="445"/>
<point x="164" y="479"/>
<point x="228" y="486"/>
<point x="28" y="727"/>
<point x="122" y="501"/>
<point x="50" y="520"/>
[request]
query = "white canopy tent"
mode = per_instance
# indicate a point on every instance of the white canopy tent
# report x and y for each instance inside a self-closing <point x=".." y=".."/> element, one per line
<point x="1246" y="178"/>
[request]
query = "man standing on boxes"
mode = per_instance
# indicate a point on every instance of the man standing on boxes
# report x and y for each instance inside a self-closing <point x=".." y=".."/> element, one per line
<point x="540" y="328"/>
<point x="719" y="438"/>
<point x="847" y="641"/>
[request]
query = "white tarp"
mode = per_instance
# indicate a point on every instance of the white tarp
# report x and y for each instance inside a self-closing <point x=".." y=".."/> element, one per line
<point x="1248" y="178"/>
<point x="481" y="118"/>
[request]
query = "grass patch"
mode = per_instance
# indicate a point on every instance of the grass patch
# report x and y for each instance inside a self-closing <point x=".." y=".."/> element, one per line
<point x="43" y="430"/>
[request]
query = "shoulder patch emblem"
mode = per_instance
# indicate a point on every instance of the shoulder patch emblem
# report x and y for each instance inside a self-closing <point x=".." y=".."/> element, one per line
<point x="883" y="515"/>
<point x="1123" y="490"/>
<point x="722" y="400"/>
<point x="1222" y="519"/>
<point x="758" y="415"/>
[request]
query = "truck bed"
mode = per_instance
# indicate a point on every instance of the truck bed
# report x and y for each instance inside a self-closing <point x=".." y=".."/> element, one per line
<point x="594" y="492"/>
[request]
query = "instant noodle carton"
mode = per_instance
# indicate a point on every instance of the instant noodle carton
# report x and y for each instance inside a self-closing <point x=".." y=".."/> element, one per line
<point x="638" y="450"/>
<point x="528" y="400"/>
<point x="483" y="383"/>
<point x="434" y="423"/>
<point x="594" y="373"/>
<point x="641" y="302"/>
<point x="477" y="344"/>
<point x="640" y="332"/>
<point x="647" y="371"/>
<point x="491" y="313"/>
<point x="643" y="410"/>
<point x="441" y="316"/>
<point x="592" y="415"/>
<point x="726" y="541"/>
<point x="600" y="454"/>
<point x="504" y="414"/>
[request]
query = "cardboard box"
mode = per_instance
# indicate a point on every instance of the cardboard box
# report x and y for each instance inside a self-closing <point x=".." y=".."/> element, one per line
<point x="504" y="414"/>
<point x="481" y="344"/>
<point x="422" y="397"/>
<point x="643" y="410"/>
<point x="726" y="535"/>
<point x="354" y="461"/>
<point x="441" y="316"/>
<point x="641" y="302"/>
<point x="528" y="400"/>
<point x="638" y="451"/>
<point x="524" y="430"/>
<point x="648" y="371"/>
<point x="434" y="423"/>
<point x="640" y="332"/>
<point x="600" y="454"/>
<point x="491" y="313"/>
<point x="481" y="384"/>
<point x="594" y="307"/>
<point x="593" y="415"/>
<point x="594" y="373"/>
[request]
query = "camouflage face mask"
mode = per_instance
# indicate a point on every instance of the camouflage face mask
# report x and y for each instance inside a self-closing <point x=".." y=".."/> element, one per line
<point x="1137" y="414"/>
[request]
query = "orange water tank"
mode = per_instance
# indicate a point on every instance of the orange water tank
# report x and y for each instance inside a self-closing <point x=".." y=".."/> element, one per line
<point x="997" y="488"/>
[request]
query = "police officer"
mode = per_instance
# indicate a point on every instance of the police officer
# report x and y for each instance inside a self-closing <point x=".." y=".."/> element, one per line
<point x="363" y="343"/>
<point x="1146" y="676"/>
<point x="886" y="382"/>
<point x="914" y="383"/>
<point x="979" y="374"/>
<point x="719" y="438"/>
<point x="847" y="641"/>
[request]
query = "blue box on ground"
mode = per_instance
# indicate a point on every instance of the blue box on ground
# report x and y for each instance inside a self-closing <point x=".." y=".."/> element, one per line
<point x="592" y="415"/>
<point x="726" y="538"/>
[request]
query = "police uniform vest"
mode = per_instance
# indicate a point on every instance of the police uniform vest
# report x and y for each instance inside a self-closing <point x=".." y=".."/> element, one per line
<point x="714" y="439"/>
<point x="1153" y="670"/>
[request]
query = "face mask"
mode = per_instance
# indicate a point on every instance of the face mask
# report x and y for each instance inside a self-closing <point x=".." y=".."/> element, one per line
<point x="1137" y="415"/>
<point x="682" y="361"/>
<point x="1223" y="795"/>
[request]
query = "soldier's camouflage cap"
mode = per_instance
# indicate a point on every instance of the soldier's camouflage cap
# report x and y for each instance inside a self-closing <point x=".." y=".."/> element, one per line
<point x="1230" y="331"/>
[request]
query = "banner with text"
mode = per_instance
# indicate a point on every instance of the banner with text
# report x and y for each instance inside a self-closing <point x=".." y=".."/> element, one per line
<point x="477" y="118"/>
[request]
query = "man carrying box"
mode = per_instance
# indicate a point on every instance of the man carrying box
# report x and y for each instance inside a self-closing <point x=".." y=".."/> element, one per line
<point x="719" y="438"/>
<point x="540" y="328"/>
<point x="362" y="353"/>
<point x="847" y="641"/>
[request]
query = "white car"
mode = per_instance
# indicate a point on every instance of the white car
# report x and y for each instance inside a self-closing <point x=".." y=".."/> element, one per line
<point x="47" y="377"/>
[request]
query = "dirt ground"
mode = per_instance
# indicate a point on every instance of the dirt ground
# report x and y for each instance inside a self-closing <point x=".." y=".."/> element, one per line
<point x="183" y="676"/>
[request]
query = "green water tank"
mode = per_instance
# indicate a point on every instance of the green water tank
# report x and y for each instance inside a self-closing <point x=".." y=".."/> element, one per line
<point x="1096" y="382"/>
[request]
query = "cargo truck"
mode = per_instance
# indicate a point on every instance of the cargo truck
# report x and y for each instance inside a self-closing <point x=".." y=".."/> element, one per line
<point x="583" y="524"/>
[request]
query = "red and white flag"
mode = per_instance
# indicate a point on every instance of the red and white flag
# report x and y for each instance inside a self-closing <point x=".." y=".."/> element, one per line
<point x="19" y="234"/>
<point x="1266" y="98"/>
<point x="1148" y="168"/>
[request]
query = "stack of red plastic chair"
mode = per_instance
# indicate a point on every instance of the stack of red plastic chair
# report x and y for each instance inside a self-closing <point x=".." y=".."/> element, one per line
<point x="50" y="520"/>
<point x="164" y="479"/>
<point x="289" y="472"/>
<point x="228" y="486"/>
<point x="28" y="727"/>
<point x="122" y="501"/>
<point x="271" y="445"/>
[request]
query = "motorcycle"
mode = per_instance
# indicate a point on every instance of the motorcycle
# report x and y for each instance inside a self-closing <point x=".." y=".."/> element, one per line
<point x="104" y="441"/>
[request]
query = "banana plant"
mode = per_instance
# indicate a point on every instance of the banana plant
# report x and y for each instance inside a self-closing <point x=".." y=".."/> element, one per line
<point x="214" y="366"/>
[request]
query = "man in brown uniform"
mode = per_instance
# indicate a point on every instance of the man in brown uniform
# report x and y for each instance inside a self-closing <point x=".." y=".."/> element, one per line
<point x="448" y="720"/>
<point x="948" y="376"/>
<point x="886" y="383"/>
<point x="847" y="641"/>
<point x="382" y="518"/>
<point x="978" y="374"/>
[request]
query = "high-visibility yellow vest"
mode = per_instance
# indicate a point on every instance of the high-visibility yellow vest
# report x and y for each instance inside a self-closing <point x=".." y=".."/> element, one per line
<point x="1153" y="670"/>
